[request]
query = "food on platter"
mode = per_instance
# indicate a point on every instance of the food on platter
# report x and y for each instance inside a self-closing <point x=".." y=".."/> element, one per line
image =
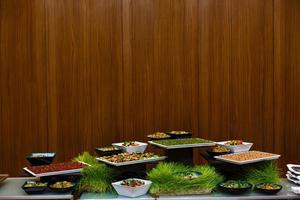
<point x="234" y="142"/>
<point x="218" y="150"/>
<point x="158" y="135"/>
<point x="58" y="167"/>
<point x="170" y="142"/>
<point x="179" y="134"/>
<point x="236" y="145"/>
<point x="62" y="184"/>
<point x="268" y="188"/>
<point x="235" y="186"/>
<point x="125" y="157"/>
<point x="180" y="179"/>
<point x="34" y="187"/>
<point x="132" y="187"/>
<point x="36" y="159"/>
<point x="133" y="182"/>
<point x="106" y="151"/>
<point x="131" y="146"/>
<point x="246" y="156"/>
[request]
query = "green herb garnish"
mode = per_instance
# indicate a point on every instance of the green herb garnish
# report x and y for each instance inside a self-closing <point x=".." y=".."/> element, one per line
<point x="171" y="142"/>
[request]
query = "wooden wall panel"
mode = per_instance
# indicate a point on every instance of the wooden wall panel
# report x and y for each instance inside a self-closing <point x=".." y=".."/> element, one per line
<point x="23" y="102"/>
<point x="84" y="74"/>
<point x="287" y="82"/>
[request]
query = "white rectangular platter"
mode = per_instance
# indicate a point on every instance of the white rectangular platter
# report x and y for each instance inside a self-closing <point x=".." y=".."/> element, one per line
<point x="132" y="162"/>
<point x="273" y="157"/>
<point x="52" y="173"/>
<point x="181" y="146"/>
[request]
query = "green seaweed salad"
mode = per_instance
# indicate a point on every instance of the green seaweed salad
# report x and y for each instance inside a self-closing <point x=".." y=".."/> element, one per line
<point x="171" y="142"/>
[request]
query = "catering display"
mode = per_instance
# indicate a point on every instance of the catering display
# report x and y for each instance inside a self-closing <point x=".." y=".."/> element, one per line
<point x="62" y="186"/>
<point x="131" y="146"/>
<point x="268" y="188"/>
<point x="182" y="143"/>
<point x="179" y="134"/>
<point x="34" y="187"/>
<point x="55" y="169"/>
<point x="132" y="187"/>
<point x="130" y="158"/>
<point x="235" y="186"/>
<point x="158" y="136"/>
<point x="247" y="157"/>
<point x="236" y="145"/>
<point x="36" y="159"/>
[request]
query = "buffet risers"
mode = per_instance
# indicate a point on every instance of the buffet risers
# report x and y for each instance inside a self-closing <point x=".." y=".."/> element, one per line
<point x="184" y="155"/>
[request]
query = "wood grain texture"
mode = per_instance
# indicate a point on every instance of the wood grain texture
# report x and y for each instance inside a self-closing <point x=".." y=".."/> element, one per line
<point x="287" y="84"/>
<point x="23" y="97"/>
<point x="84" y="75"/>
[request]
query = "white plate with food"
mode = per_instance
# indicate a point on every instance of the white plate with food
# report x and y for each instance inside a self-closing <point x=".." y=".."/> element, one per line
<point x="236" y="146"/>
<point x="247" y="157"/>
<point x="132" y="187"/>
<point x="131" y="146"/>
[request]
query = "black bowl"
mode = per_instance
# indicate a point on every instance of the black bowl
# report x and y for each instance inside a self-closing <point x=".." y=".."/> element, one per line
<point x="235" y="191"/>
<point x="213" y="154"/>
<point x="180" y="136"/>
<point x="101" y="152"/>
<point x="62" y="190"/>
<point x="34" y="190"/>
<point x="37" y="159"/>
<point x="266" y="191"/>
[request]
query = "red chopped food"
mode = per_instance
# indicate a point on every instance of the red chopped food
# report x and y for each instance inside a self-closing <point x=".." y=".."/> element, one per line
<point x="56" y="167"/>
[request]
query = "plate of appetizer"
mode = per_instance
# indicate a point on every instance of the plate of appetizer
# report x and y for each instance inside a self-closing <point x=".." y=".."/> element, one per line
<point x="179" y="134"/>
<point x="55" y="169"/>
<point x="123" y="159"/>
<point x="218" y="150"/>
<point x="62" y="186"/>
<point x="235" y="187"/>
<point x="236" y="145"/>
<point x="131" y="146"/>
<point x="158" y="136"/>
<point x="132" y="187"/>
<point x="247" y="157"/>
<point x="107" y="151"/>
<point x="36" y="159"/>
<point x="294" y="168"/>
<point x="182" y="143"/>
<point x="268" y="188"/>
<point x="34" y="187"/>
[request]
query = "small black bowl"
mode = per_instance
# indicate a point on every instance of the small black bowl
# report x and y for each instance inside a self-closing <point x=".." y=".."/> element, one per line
<point x="37" y="159"/>
<point x="180" y="136"/>
<point x="34" y="190"/>
<point x="266" y="191"/>
<point x="62" y="190"/>
<point x="101" y="152"/>
<point x="235" y="191"/>
<point x="213" y="154"/>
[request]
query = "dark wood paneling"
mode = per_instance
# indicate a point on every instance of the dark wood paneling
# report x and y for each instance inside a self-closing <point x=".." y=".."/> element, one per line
<point x="84" y="74"/>
<point x="287" y="82"/>
<point x="23" y="108"/>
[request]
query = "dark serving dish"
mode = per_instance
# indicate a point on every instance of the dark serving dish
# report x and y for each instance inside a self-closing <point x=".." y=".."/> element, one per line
<point x="62" y="189"/>
<point x="235" y="191"/>
<point x="179" y="134"/>
<point x="34" y="189"/>
<point x="268" y="188"/>
<point x="108" y="151"/>
<point x="213" y="153"/>
<point x="37" y="159"/>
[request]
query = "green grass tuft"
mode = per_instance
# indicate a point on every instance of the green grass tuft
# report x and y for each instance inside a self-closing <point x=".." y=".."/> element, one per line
<point x="87" y="158"/>
<point x="164" y="181"/>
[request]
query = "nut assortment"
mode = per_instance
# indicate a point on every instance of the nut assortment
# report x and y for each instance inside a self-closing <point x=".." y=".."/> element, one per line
<point x="249" y="155"/>
<point x="159" y="135"/>
<point x="125" y="157"/>
<point x="56" y="167"/>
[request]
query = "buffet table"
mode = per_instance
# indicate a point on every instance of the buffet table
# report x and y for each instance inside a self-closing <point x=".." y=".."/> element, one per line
<point x="12" y="189"/>
<point x="285" y="193"/>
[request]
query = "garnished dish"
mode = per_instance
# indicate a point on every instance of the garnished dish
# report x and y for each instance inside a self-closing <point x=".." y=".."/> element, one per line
<point x="235" y="187"/>
<point x="133" y="182"/>
<point x="218" y="150"/>
<point x="36" y="159"/>
<point x="268" y="188"/>
<point x="130" y="158"/>
<point x="131" y="146"/>
<point x="188" y="175"/>
<point x="132" y="187"/>
<point x="236" y="145"/>
<point x="158" y="136"/>
<point x="34" y="187"/>
<point x="182" y="143"/>
<point x="179" y="134"/>
<point x="247" y="157"/>
<point x="62" y="186"/>
<point x="55" y="169"/>
<point x="106" y="151"/>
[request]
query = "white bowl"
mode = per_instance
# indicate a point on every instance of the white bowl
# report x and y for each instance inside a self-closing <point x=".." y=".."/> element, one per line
<point x="246" y="146"/>
<point x="132" y="149"/>
<point x="132" y="191"/>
